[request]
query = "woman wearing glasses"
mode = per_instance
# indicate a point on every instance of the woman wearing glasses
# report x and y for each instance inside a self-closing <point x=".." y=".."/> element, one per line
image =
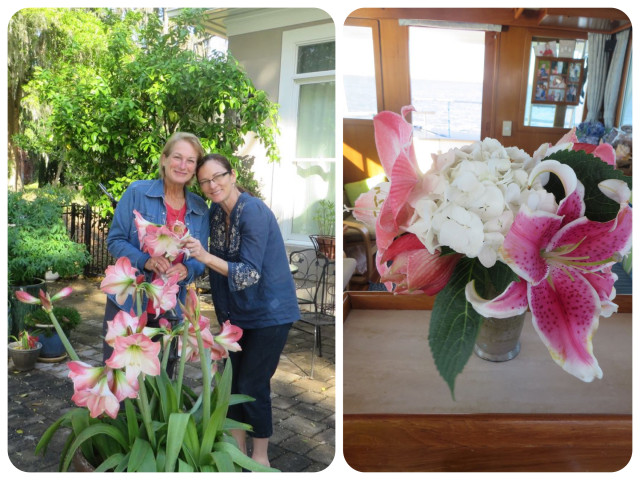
<point x="163" y="201"/>
<point x="252" y="286"/>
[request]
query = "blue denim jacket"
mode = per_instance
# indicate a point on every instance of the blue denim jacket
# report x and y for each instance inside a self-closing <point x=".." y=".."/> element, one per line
<point x="147" y="197"/>
<point x="259" y="290"/>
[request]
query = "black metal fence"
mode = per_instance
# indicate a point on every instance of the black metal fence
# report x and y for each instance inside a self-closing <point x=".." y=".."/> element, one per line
<point x="87" y="226"/>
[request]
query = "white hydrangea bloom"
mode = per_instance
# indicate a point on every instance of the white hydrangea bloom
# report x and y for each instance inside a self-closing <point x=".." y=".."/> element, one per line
<point x="476" y="190"/>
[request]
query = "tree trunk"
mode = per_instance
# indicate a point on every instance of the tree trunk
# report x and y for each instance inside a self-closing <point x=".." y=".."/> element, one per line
<point x="14" y="156"/>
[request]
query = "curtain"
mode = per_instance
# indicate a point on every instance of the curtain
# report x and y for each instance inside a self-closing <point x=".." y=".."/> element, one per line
<point x="612" y="87"/>
<point x="596" y="74"/>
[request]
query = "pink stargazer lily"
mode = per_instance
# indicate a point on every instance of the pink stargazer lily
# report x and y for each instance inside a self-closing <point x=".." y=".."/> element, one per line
<point x="120" y="279"/>
<point x="44" y="299"/>
<point x="394" y="143"/>
<point x="564" y="261"/>
<point x="414" y="269"/>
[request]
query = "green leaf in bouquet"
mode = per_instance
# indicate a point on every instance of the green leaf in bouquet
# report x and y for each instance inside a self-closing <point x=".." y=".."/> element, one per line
<point x="590" y="170"/>
<point x="454" y="323"/>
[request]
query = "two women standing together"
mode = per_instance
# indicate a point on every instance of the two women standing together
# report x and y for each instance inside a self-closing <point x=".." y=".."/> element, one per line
<point x="251" y="284"/>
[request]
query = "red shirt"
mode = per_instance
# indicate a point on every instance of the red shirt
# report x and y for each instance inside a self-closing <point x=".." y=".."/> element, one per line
<point x="173" y="216"/>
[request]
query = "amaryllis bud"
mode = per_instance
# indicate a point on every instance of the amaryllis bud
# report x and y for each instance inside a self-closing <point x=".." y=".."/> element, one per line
<point x="24" y="297"/>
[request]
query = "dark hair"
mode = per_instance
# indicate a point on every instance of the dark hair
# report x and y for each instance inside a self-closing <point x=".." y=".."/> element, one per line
<point x="220" y="160"/>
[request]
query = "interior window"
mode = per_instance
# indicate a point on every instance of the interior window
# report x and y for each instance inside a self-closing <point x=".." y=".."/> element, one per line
<point x="551" y="114"/>
<point x="446" y="73"/>
<point x="359" y="73"/>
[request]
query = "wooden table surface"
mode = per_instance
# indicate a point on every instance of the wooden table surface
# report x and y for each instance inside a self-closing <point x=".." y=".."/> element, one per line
<point x="397" y="420"/>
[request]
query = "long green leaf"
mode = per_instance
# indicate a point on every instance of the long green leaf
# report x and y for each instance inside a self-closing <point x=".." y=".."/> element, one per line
<point x="230" y="424"/>
<point x="454" y="323"/>
<point x="80" y="421"/>
<point x="112" y="462"/>
<point x="175" y="436"/>
<point x="141" y="458"/>
<point x="238" y="398"/>
<point x="191" y="439"/>
<point x="133" y="428"/>
<point x="42" y="445"/>
<point x="223" y="462"/>
<point x="184" y="467"/>
<point x="241" y="459"/>
<point x="96" y="429"/>
<point x="211" y="431"/>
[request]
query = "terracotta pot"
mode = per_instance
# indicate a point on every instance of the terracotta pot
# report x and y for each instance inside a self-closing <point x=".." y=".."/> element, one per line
<point x="24" y="360"/>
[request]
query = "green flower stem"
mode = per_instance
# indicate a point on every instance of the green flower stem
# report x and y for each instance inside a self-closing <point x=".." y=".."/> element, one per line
<point x="183" y="359"/>
<point x="65" y="341"/>
<point x="139" y="302"/>
<point x="165" y="354"/>
<point x="143" y="404"/>
<point x="205" y="365"/>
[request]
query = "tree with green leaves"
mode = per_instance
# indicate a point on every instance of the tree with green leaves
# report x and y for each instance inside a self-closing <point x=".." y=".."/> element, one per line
<point x="109" y="119"/>
<point x="43" y="38"/>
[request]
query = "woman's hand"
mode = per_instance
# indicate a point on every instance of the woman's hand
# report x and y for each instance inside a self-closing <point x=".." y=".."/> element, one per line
<point x="195" y="249"/>
<point x="178" y="268"/>
<point x="159" y="265"/>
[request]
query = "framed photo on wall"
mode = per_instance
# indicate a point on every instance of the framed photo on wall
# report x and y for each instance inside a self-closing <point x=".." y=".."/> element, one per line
<point x="558" y="80"/>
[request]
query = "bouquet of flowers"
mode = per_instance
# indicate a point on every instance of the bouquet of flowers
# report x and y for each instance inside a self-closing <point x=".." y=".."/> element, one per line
<point x="493" y="232"/>
<point x="131" y="415"/>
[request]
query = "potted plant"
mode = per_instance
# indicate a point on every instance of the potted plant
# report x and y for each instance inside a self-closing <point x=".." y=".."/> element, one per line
<point x="130" y="415"/>
<point x="39" y="324"/>
<point x="325" y="218"/>
<point x="24" y="351"/>
<point x="38" y="242"/>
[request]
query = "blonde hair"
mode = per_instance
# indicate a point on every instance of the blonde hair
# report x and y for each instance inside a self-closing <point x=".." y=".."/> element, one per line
<point x="176" y="137"/>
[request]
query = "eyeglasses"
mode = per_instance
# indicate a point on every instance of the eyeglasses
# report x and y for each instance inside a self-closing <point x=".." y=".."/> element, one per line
<point x="217" y="178"/>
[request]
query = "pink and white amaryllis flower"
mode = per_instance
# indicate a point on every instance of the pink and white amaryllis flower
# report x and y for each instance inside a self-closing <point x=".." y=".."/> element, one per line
<point x="92" y="389"/>
<point x="164" y="241"/>
<point x="163" y="293"/>
<point x="137" y="354"/>
<point x="229" y="336"/>
<point x="43" y="298"/>
<point x="120" y="279"/>
<point x="192" y="350"/>
<point x="124" y="324"/>
<point x="161" y="240"/>
<point x="413" y="268"/>
<point x="564" y="261"/>
<point x="141" y="225"/>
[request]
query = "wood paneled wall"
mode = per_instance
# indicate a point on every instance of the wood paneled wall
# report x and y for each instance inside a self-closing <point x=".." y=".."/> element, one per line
<point x="504" y="92"/>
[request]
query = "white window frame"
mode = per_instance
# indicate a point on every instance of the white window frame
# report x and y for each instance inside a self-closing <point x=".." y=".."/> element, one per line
<point x="289" y="92"/>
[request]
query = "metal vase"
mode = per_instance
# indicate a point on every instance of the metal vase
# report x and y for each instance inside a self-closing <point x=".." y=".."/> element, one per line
<point x="499" y="338"/>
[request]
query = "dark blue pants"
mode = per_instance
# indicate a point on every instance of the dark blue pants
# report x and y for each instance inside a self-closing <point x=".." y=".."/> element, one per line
<point x="253" y="368"/>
